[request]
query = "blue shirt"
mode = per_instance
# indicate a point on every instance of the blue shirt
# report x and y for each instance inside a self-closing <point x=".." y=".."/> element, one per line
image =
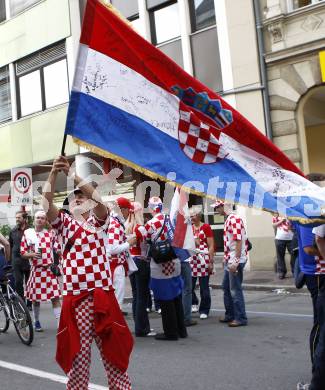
<point x="305" y="236"/>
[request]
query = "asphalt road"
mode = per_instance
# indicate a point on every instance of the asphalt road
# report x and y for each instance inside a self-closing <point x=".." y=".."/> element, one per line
<point x="270" y="353"/>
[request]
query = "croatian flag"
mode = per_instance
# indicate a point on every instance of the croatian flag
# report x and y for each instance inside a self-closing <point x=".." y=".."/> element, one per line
<point x="132" y="103"/>
<point x="182" y="237"/>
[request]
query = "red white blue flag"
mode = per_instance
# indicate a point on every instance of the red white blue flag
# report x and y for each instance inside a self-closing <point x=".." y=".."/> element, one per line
<point x="132" y="103"/>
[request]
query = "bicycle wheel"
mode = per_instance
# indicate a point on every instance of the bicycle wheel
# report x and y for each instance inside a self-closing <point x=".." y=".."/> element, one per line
<point x="23" y="321"/>
<point x="4" y="320"/>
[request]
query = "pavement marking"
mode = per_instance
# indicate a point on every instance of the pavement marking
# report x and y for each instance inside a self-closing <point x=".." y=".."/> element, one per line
<point x="271" y="313"/>
<point x="43" y="374"/>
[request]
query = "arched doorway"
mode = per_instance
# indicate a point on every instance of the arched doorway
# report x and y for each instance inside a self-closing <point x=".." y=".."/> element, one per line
<point x="311" y="118"/>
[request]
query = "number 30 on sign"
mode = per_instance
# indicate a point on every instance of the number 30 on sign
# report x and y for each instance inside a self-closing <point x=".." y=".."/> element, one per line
<point x="21" y="186"/>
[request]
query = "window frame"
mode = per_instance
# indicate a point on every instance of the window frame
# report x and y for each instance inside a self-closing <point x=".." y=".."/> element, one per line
<point x="23" y="10"/>
<point x="9" y="83"/>
<point x="5" y="12"/>
<point x="291" y="9"/>
<point x="42" y="82"/>
<point x="194" y="28"/>
<point x="153" y="24"/>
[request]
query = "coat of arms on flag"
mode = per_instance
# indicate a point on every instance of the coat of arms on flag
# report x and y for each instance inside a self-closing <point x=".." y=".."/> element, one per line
<point x="198" y="140"/>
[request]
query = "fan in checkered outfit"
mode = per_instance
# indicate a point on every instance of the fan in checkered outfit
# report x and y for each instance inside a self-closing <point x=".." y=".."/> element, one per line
<point x="197" y="141"/>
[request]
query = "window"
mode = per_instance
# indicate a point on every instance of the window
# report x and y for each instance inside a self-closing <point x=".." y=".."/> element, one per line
<point x="56" y="83"/>
<point x="174" y="51"/>
<point x="127" y="8"/>
<point x="137" y="25"/>
<point x="5" y="100"/>
<point x="2" y="10"/>
<point x="160" y="19"/>
<point x="17" y="6"/>
<point x="42" y="80"/>
<point x="202" y="14"/>
<point x="206" y="58"/>
<point x="30" y="93"/>
<point x="303" y="3"/>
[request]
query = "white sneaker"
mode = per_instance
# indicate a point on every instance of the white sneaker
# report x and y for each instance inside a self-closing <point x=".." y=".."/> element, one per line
<point x="203" y="316"/>
<point x="158" y="311"/>
<point x="303" y="386"/>
<point x="195" y="308"/>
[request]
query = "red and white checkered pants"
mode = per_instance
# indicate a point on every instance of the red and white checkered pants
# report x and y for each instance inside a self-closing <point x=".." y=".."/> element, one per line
<point x="78" y="377"/>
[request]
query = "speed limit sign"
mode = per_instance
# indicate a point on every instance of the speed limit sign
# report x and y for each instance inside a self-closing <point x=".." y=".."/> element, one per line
<point x="21" y="188"/>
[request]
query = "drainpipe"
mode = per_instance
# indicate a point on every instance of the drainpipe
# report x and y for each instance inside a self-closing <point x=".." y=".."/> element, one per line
<point x="262" y="66"/>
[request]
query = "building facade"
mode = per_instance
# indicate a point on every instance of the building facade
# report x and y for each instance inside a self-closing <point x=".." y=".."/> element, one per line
<point x="294" y="32"/>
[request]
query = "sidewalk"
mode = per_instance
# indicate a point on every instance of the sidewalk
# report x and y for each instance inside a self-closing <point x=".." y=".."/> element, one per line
<point x="253" y="280"/>
<point x="259" y="280"/>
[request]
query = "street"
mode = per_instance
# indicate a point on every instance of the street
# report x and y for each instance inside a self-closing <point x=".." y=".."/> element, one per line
<point x="271" y="353"/>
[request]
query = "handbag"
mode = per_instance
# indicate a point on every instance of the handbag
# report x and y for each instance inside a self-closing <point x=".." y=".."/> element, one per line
<point x="161" y="251"/>
<point x="249" y="245"/>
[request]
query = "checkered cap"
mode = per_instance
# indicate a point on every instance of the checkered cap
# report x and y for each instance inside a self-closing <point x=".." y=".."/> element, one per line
<point x="199" y="141"/>
<point x="155" y="203"/>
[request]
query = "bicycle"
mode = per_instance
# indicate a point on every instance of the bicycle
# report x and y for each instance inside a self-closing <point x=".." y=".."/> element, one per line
<point x="13" y="308"/>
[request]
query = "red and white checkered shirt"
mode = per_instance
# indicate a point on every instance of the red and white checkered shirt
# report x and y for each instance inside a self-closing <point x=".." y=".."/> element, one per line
<point x="320" y="265"/>
<point x="200" y="262"/>
<point x="152" y="230"/>
<point x="85" y="266"/>
<point x="234" y="230"/>
<point x="140" y="248"/>
<point x="320" y="262"/>
<point x="115" y="238"/>
<point x="44" y="240"/>
<point x="283" y="231"/>
<point x="154" y="226"/>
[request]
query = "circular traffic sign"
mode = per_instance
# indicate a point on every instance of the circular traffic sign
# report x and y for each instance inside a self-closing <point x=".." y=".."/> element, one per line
<point x="22" y="182"/>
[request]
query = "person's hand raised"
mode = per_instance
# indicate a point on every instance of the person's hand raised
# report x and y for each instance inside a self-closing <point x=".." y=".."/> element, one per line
<point x="61" y="164"/>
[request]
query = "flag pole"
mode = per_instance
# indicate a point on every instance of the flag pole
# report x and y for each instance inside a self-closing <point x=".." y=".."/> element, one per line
<point x="63" y="145"/>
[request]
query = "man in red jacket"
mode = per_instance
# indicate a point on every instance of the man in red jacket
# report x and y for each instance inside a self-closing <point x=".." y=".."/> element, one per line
<point x="89" y="310"/>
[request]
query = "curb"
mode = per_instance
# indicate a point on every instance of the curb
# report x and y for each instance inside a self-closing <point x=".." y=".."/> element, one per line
<point x="268" y="287"/>
<point x="255" y="287"/>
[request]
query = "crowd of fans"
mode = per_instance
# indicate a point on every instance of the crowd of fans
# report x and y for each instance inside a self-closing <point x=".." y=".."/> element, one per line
<point x="85" y="257"/>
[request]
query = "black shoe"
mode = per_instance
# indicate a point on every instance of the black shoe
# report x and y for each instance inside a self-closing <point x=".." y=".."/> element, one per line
<point x="225" y="320"/>
<point x="190" y="323"/>
<point x="162" y="336"/>
<point x="236" y="324"/>
<point x="183" y="336"/>
<point x="282" y="276"/>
